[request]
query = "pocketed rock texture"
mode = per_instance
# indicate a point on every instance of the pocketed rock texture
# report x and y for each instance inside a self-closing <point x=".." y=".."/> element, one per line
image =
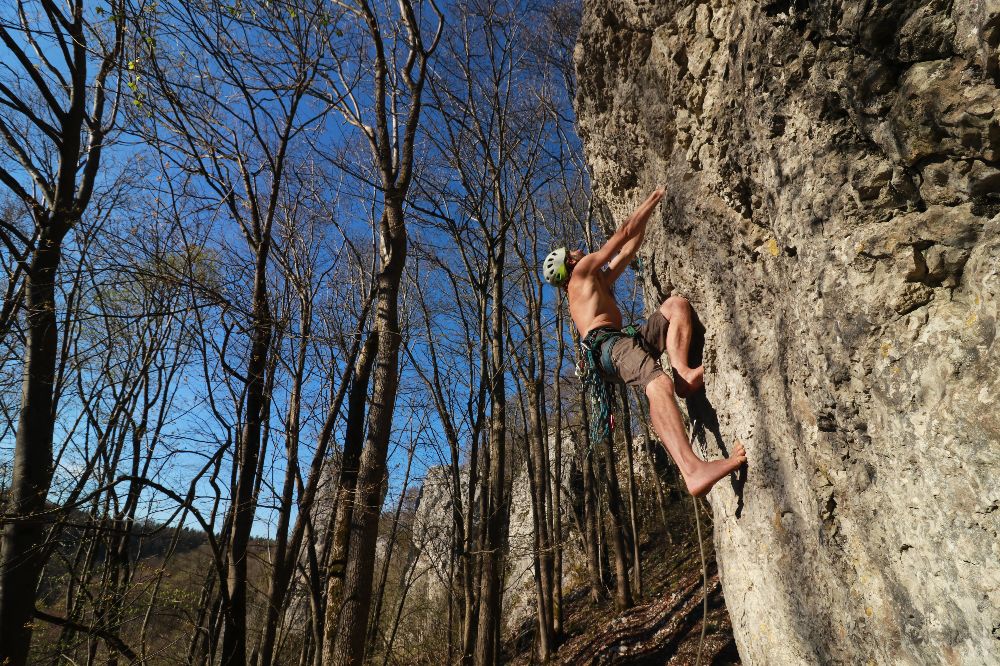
<point x="832" y="212"/>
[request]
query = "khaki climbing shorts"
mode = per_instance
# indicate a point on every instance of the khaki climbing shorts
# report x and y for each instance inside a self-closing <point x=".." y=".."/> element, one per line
<point x="636" y="359"/>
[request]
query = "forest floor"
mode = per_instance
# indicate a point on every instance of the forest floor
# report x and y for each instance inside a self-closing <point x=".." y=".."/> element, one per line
<point x="665" y="625"/>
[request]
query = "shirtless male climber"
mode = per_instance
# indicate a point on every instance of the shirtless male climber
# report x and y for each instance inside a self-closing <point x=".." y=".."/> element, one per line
<point x="634" y="358"/>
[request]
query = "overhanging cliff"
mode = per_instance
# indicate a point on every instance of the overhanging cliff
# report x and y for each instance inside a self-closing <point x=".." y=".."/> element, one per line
<point x="833" y="214"/>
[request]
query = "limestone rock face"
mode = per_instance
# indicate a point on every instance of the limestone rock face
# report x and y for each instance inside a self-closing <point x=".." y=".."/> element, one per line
<point x="433" y="535"/>
<point x="833" y="213"/>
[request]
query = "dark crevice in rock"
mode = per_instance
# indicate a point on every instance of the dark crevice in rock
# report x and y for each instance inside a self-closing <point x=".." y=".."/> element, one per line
<point x="986" y="206"/>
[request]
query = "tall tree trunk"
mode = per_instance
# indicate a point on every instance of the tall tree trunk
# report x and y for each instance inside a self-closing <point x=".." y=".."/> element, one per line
<point x="354" y="435"/>
<point x="633" y="497"/>
<point x="543" y="544"/>
<point x="496" y="515"/>
<point x="23" y="534"/>
<point x="469" y="563"/>
<point x="472" y="566"/>
<point x="234" y="640"/>
<point x="451" y="596"/>
<point x="348" y="648"/>
<point x="540" y="471"/>
<point x="61" y="185"/>
<point x="463" y="505"/>
<point x="557" y="531"/>
<point x="358" y="362"/>
<point x="591" y="542"/>
<point x="281" y="570"/>
<point x="609" y="479"/>
<point x="379" y="596"/>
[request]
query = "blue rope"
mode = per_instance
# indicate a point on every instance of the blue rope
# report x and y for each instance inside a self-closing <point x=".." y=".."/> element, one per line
<point x="600" y="392"/>
<point x="600" y="389"/>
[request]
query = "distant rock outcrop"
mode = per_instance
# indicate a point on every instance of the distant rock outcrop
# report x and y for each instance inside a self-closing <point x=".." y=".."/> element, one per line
<point x="833" y="212"/>
<point x="434" y="528"/>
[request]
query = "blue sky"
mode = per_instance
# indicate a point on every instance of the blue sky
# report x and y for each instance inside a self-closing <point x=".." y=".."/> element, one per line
<point x="192" y="431"/>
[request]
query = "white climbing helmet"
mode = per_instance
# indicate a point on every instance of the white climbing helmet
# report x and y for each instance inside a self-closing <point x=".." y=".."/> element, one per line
<point x="554" y="267"/>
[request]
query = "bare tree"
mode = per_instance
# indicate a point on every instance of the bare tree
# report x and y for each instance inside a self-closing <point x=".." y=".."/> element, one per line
<point x="399" y="40"/>
<point x="454" y="363"/>
<point x="220" y="368"/>
<point x="633" y="497"/>
<point x="302" y="245"/>
<point x="58" y="107"/>
<point x="129" y="343"/>
<point x="490" y="130"/>
<point x="227" y="99"/>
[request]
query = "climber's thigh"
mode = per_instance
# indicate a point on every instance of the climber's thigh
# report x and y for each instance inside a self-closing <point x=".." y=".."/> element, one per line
<point x="635" y="366"/>
<point x="654" y="332"/>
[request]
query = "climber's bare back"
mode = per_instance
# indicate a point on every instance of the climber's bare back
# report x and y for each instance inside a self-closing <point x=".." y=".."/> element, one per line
<point x="591" y="299"/>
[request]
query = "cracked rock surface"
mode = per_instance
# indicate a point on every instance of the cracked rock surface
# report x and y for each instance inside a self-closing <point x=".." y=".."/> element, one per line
<point x="833" y="213"/>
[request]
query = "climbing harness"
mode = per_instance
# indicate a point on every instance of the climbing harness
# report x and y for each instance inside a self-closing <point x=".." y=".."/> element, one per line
<point x="597" y="372"/>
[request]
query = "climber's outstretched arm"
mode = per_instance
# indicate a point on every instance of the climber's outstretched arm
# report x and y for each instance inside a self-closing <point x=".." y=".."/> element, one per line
<point x="634" y="231"/>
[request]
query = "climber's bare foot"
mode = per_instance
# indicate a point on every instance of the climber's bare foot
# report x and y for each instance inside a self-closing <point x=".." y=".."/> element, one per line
<point x="689" y="381"/>
<point x="709" y="473"/>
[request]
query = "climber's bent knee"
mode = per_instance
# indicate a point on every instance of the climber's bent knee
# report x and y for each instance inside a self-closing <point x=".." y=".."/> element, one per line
<point x="675" y="305"/>
<point x="661" y="383"/>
